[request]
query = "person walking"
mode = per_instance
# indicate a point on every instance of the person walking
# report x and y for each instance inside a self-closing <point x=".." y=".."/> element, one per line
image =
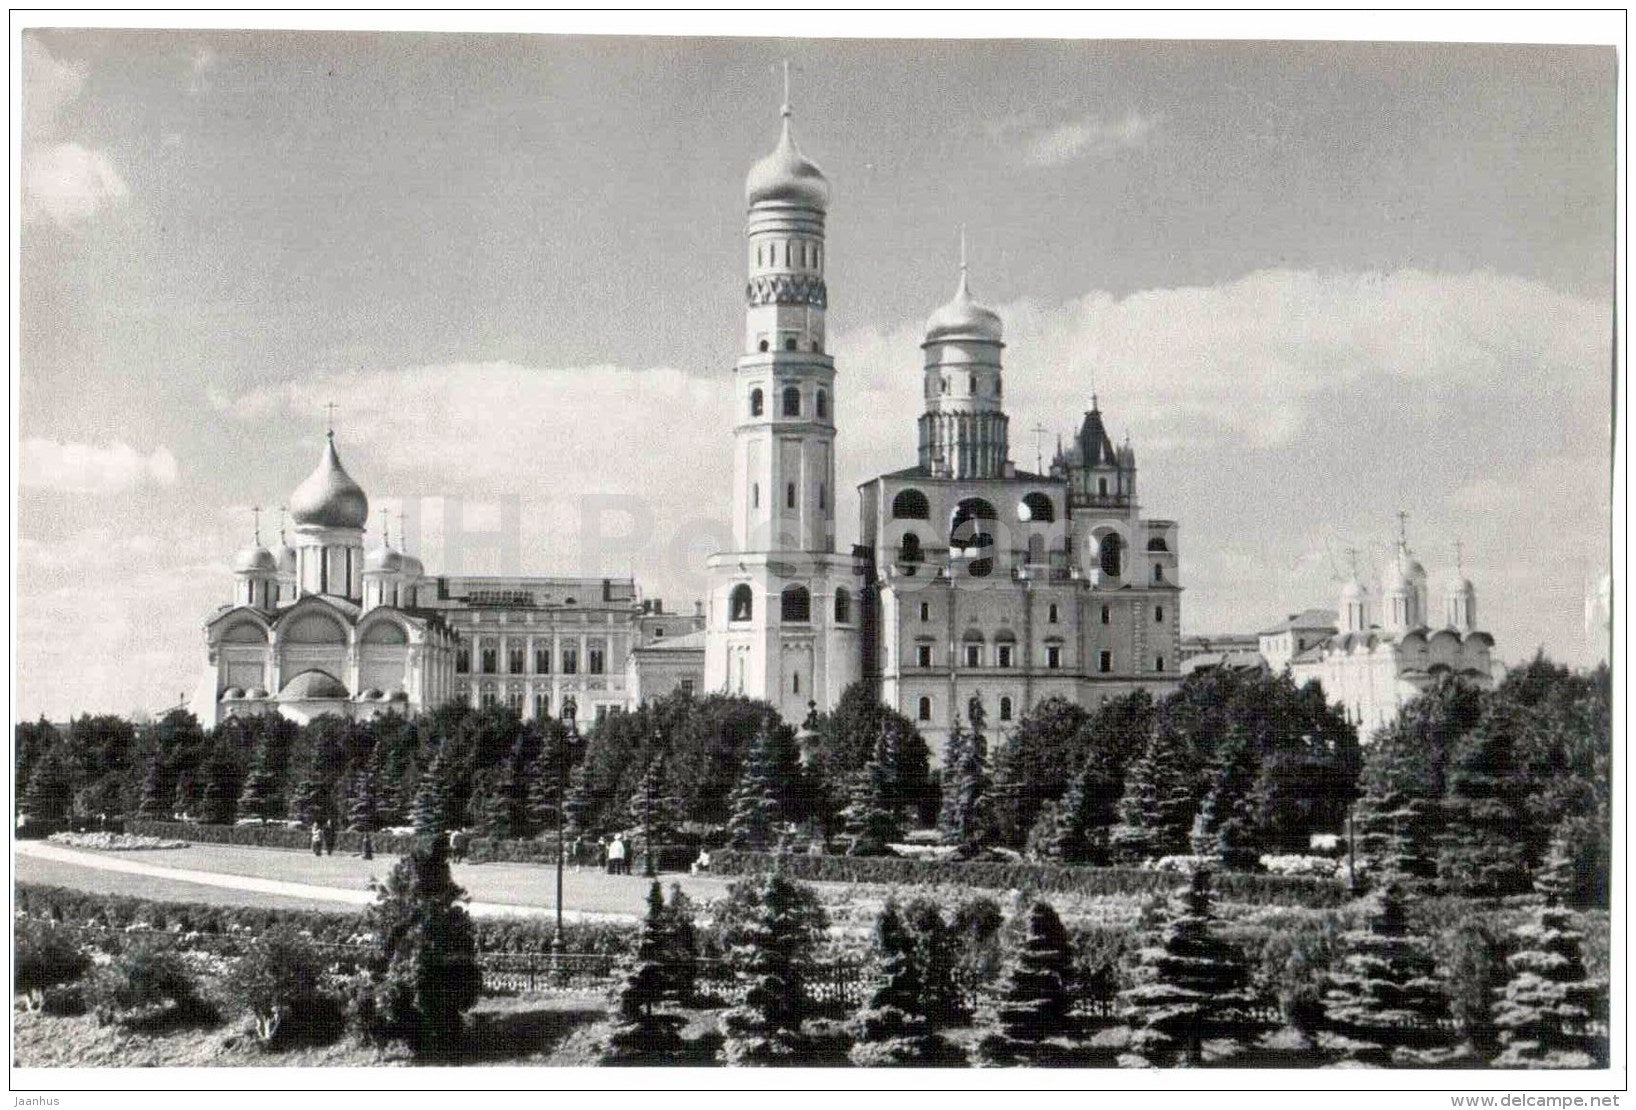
<point x="368" y="851"/>
<point x="616" y="857"/>
<point x="317" y="840"/>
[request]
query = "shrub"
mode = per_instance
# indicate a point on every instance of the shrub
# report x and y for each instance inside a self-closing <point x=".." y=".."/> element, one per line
<point x="279" y="981"/>
<point x="1385" y="995"/>
<point x="637" y="1034"/>
<point x="895" y="1028"/>
<point x="46" y="955"/>
<point x="1548" y="1003"/>
<point x="146" y="984"/>
<point x="776" y="933"/>
<point x="1033" y="1002"/>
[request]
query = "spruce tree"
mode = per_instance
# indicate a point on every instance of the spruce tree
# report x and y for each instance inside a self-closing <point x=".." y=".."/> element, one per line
<point x="50" y="790"/>
<point x="151" y="804"/>
<point x="259" y="799"/>
<point x="756" y="813"/>
<point x="1189" y="986"/>
<point x="309" y="801"/>
<point x="772" y="952"/>
<point x="681" y="946"/>
<point x="578" y="806"/>
<point x="500" y="803"/>
<point x="1157" y="809"/>
<point x="1484" y="852"/>
<point x="965" y="817"/>
<point x="1077" y="829"/>
<point x="935" y="947"/>
<point x="1545" y="1008"/>
<point x="655" y="811"/>
<point x="894" y="1029"/>
<point x="872" y="818"/>
<point x="433" y="811"/>
<point x="1227" y="826"/>
<point x="1033" y="1004"/>
<point x="364" y="804"/>
<point x="1384" y="998"/>
<point x="637" y="1034"/>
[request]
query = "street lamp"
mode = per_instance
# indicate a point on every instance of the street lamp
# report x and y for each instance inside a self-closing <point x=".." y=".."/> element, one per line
<point x="570" y="710"/>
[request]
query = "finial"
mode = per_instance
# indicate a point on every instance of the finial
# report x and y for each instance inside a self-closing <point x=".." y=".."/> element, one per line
<point x="1402" y="529"/>
<point x="1459" y="558"/>
<point x="255" y="511"/>
<point x="1352" y="561"/>
<point x="329" y="418"/>
<point x="785" y="110"/>
<point x="281" y="511"/>
<point x="386" y="527"/>
<point x="1039" y="451"/>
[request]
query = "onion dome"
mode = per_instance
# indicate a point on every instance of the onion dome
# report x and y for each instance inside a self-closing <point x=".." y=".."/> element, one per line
<point x="383" y="560"/>
<point x="255" y="693"/>
<point x="412" y="570"/>
<point x="963" y="318"/>
<point x="1352" y="591"/>
<point x="255" y="559"/>
<point x="786" y="176"/>
<point x="329" y="498"/>
<point x="233" y="693"/>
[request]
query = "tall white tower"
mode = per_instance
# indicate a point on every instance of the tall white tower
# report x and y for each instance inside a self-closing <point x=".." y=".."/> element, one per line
<point x="784" y="611"/>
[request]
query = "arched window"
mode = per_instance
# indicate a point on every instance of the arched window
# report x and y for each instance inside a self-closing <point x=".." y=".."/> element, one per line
<point x="1005" y="709"/>
<point x="910" y="555"/>
<point x="795" y="681"/>
<point x="792" y="398"/>
<point x="821" y="405"/>
<point x="823" y="496"/>
<point x="756" y="402"/>
<point x="1051" y="614"/>
<point x="740" y="603"/>
<point x="945" y="383"/>
<point x="925" y="709"/>
<point x="789" y="496"/>
<point x="1158" y="572"/>
<point x="843" y="605"/>
<point x="1110" y="555"/>
<point x="971" y="532"/>
<point x="755" y="495"/>
<point x="789" y="343"/>
<point x="910" y="504"/>
<point x="763" y="345"/>
<point x="795" y="605"/>
<point x="971" y="383"/>
<point x="1036" y="509"/>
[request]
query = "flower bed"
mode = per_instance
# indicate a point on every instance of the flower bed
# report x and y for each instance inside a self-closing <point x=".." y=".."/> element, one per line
<point x="115" y="842"/>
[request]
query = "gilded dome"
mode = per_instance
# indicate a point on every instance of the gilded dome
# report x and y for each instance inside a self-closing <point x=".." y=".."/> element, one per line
<point x="329" y="498"/>
<point x="787" y="176"/>
<point x="963" y="318"/>
<point x="383" y="560"/>
<point x="255" y="559"/>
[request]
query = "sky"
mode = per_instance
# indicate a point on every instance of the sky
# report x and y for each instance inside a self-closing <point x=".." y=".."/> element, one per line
<point x="1316" y="283"/>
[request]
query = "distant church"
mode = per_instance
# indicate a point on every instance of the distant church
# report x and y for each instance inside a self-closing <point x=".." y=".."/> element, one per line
<point x="973" y="579"/>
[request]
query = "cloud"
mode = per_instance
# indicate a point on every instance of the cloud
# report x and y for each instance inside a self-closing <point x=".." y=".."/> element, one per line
<point x="83" y="468"/>
<point x="1088" y="137"/>
<point x="63" y="181"/>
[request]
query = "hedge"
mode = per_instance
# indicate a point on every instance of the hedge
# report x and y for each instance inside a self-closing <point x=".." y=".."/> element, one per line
<point x="1046" y="878"/>
<point x="123" y="911"/>
<point x="479" y="849"/>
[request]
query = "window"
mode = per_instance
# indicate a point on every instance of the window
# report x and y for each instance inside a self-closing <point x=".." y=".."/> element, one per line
<point x="1005" y="653"/>
<point x="1053" y="657"/>
<point x="757" y="402"/>
<point x="542" y="706"/>
<point x="974" y="655"/>
<point x="1111" y="555"/>
<point x="923" y="655"/>
<point x="755" y="495"/>
<point x="659" y="632"/>
<point x="1051" y="614"/>
<point x="542" y="660"/>
<point x="763" y="344"/>
<point x="1036" y="509"/>
<point x="792" y="401"/>
<point x="1158" y="614"/>
<point x="1005" y="709"/>
<point x="1107" y="614"/>
<point x="514" y="661"/>
<point x="488" y="699"/>
<point x="795" y="605"/>
<point x="821" y="405"/>
<point x="795" y="682"/>
<point x="925" y="709"/>
<point x="570" y="660"/>
<point x="1104" y="662"/>
<point x="1102" y="487"/>
<point x="1159" y="663"/>
<point x="1157" y="543"/>
<point x="1158" y="573"/>
<point x="462" y="661"/>
<point x="596" y="661"/>
<point x="789" y="496"/>
<point x="945" y="383"/>
<point x="514" y="702"/>
<point x="925" y="610"/>
<point x="910" y="504"/>
<point x="687" y="687"/>
<point x="909" y="554"/>
<point x="823" y="496"/>
<point x="971" y="383"/>
<point x="489" y="660"/>
<point x="789" y="345"/>
<point x="740" y="603"/>
<point x="843" y="605"/>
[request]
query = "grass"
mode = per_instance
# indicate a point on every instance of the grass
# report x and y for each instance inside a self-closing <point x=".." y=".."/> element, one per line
<point x="30" y="869"/>
<point x="43" y="1041"/>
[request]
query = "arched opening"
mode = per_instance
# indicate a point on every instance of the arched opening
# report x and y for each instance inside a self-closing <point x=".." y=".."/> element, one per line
<point x="792" y="399"/>
<point x="1005" y="709"/>
<point x="385" y="632"/>
<point x="910" y="504"/>
<point x="821" y="405"/>
<point x="789" y="344"/>
<point x="1036" y="509"/>
<point x="244" y="632"/>
<point x="1036" y="550"/>
<point x="843" y="605"/>
<point x="971" y="534"/>
<point x="795" y="605"/>
<point x="789" y="496"/>
<point x="740" y="603"/>
<point x="755" y="495"/>
<point x="925" y="709"/>
<point x="314" y="628"/>
<point x="757" y="402"/>
<point x="1157" y="543"/>
<point x="910" y="556"/>
<point x="1110" y="555"/>
<point x="764" y="346"/>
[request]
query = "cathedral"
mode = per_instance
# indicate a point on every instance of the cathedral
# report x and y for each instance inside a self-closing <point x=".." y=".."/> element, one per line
<point x="975" y="582"/>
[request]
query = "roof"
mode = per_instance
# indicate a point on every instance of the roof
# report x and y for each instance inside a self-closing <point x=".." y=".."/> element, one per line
<point x="329" y="498"/>
<point x="922" y="474"/>
<point x="1227" y="660"/>
<point x="311" y="685"/>
<point x="1307" y="620"/>
<point x="692" y="641"/>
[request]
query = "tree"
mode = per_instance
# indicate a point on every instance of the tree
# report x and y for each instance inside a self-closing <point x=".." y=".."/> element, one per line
<point x="1033" y="1003"/>
<point x="1036" y="763"/>
<point x="935" y="946"/>
<point x="772" y="950"/>
<point x="637" y="1033"/>
<point x="50" y="789"/>
<point x="965" y="818"/>
<point x="1076" y="829"/>
<point x="1157" y="809"/>
<point x="364" y="801"/>
<point x="654" y="810"/>
<point x="848" y="737"/>
<point x="1483" y="811"/>
<point x="756" y="814"/>
<point x="435" y="809"/>
<point x="1188" y="986"/>
<point x="31" y="741"/>
<point x="429" y="975"/>
<point x="258" y="798"/>
<point x="221" y="787"/>
<point x="871" y="817"/>
<point x="498" y="805"/>
<point x="1385" y="998"/>
<point x="894" y="1027"/>
<point x="151" y="804"/>
<point x="578" y="806"/>
<point x="1227" y="826"/>
<point x="679" y="936"/>
<point x="1547" y="1004"/>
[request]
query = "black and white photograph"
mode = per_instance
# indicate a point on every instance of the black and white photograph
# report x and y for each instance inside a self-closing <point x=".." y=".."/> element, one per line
<point x="1049" y="552"/>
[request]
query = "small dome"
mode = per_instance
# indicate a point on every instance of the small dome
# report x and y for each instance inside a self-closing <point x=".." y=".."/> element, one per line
<point x="285" y="558"/>
<point x="413" y="570"/>
<point x="1353" y="591"/>
<point x="371" y="695"/>
<point x="255" y="692"/>
<point x="233" y="693"/>
<point x="309" y="685"/>
<point x="963" y="318"/>
<point x="1459" y="585"/>
<point x="255" y="559"/>
<point x="787" y="176"/>
<point x="398" y="695"/>
<point x="329" y="498"/>
<point x="383" y="560"/>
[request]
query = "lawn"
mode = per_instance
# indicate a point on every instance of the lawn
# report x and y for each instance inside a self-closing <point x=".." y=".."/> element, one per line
<point x="30" y="869"/>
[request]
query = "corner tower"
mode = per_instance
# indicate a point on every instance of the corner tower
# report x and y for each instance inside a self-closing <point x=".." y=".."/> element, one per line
<point x="783" y="616"/>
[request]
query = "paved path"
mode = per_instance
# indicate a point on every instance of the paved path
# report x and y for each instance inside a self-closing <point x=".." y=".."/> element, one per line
<point x="359" y="896"/>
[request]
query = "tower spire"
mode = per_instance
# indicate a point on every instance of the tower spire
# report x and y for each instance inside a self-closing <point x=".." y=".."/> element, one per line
<point x="281" y="511"/>
<point x="329" y="418"/>
<point x="1459" y="558"/>
<point x="786" y="111"/>
<point x="1402" y="530"/>
<point x="255" y="511"/>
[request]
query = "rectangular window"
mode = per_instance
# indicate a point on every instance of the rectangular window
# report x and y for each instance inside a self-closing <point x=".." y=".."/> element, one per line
<point x="1107" y="614"/>
<point x="597" y="661"/>
<point x="974" y="655"/>
<point x="514" y="660"/>
<point x="687" y="687"/>
<point x="488" y="699"/>
<point x="1158" y="573"/>
<point x="1158" y="614"/>
<point x="489" y="662"/>
<point x="925" y="610"/>
<point x="659" y="632"/>
<point x="1159" y="663"/>
<point x="514" y="702"/>
<point x="1005" y="654"/>
<point x="462" y="661"/>
<point x="1053" y="657"/>
<point x="542" y="660"/>
<point x="1104" y="662"/>
<point x="923" y="655"/>
<point x="602" y="712"/>
<point x="542" y="706"/>
<point x="570" y="660"/>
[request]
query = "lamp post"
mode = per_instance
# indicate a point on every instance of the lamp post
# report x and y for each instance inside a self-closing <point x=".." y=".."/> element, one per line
<point x="570" y="710"/>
